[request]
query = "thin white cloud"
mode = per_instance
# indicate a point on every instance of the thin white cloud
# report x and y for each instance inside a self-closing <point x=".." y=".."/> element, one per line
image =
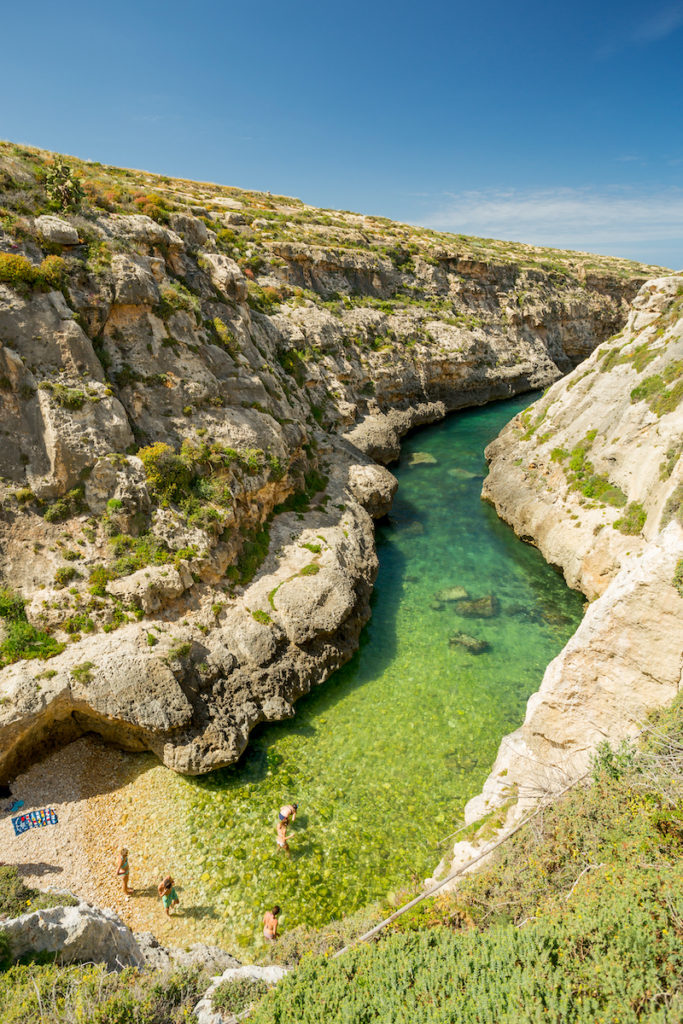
<point x="652" y="29"/>
<point x="587" y="219"/>
<point x="660" y="24"/>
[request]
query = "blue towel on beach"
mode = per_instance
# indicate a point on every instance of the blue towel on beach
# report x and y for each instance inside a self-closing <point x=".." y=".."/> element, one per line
<point x="34" y="819"/>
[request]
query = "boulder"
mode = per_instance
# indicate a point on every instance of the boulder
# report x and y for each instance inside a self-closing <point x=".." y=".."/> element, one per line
<point x="225" y="274"/>
<point x="160" y="957"/>
<point x="81" y="934"/>
<point x="193" y="230"/>
<point x="153" y="587"/>
<point x="134" y="283"/>
<point x="55" y="230"/>
<point x="120" y="478"/>
<point x="312" y="606"/>
<point x="373" y="487"/>
<point x="421" y="459"/>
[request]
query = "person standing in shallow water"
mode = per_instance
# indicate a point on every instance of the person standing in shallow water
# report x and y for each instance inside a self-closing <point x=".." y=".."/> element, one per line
<point x="286" y="814"/>
<point x="270" y="923"/>
<point x="123" y="870"/>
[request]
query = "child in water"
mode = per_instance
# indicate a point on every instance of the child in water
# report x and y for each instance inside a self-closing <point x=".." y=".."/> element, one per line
<point x="123" y="869"/>
<point x="169" y="897"/>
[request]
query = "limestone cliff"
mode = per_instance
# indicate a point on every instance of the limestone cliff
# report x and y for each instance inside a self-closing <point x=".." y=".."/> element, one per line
<point x="194" y="381"/>
<point x="591" y="474"/>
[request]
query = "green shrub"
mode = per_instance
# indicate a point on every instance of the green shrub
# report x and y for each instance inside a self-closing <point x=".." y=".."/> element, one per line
<point x="65" y="574"/>
<point x="262" y="617"/>
<point x="677" y="580"/>
<point x="633" y="520"/>
<point x="131" y="554"/>
<point x="653" y="390"/>
<point x="224" y="336"/>
<point x="71" y="504"/>
<point x="254" y="551"/>
<point x="19" y="272"/>
<point x="179" y="649"/>
<point x="17" y="899"/>
<point x="673" y="509"/>
<point x="89" y="994"/>
<point x="22" y="640"/>
<point x="175" y="297"/>
<point x="582" y="477"/>
<point x="666" y="466"/>
<point x="312" y="569"/>
<point x="168" y="474"/>
<point x="83" y="673"/>
<point x="236" y="996"/>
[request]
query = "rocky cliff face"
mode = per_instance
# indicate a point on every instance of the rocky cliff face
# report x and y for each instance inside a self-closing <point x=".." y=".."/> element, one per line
<point x="592" y="475"/>
<point x="194" y="383"/>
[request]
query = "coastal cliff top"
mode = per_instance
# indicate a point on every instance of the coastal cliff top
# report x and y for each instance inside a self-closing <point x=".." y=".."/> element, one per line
<point x="262" y="223"/>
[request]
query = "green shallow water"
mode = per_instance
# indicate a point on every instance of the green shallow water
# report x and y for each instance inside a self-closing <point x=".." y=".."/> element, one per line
<point x="384" y="755"/>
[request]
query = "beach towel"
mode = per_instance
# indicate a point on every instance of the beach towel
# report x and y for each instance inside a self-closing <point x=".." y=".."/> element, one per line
<point x="34" y="819"/>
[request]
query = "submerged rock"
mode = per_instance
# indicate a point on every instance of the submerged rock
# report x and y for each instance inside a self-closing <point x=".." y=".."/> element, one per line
<point x="451" y="594"/>
<point x="480" y="608"/>
<point x="422" y="459"/>
<point x="470" y="643"/>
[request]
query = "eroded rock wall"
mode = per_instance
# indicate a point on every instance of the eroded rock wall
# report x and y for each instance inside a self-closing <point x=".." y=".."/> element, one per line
<point x="194" y="383"/>
<point x="591" y="474"/>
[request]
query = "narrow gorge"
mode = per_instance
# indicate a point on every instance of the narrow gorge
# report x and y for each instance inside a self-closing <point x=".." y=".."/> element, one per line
<point x="201" y="388"/>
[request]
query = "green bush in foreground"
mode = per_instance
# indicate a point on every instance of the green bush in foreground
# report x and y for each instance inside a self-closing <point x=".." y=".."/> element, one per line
<point x="17" y="898"/>
<point x="236" y="996"/>
<point x="614" y="954"/>
<point x="48" y="994"/>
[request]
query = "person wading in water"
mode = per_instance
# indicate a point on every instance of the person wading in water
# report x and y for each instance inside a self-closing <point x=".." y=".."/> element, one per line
<point x="270" y="923"/>
<point x="286" y="814"/>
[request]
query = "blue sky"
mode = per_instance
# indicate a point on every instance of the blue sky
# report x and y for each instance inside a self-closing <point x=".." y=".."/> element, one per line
<point x="558" y="124"/>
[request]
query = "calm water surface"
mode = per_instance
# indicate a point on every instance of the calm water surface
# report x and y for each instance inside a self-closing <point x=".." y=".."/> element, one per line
<point x="384" y="755"/>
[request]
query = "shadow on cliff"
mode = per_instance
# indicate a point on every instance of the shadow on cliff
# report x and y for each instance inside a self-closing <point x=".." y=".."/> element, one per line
<point x="261" y="757"/>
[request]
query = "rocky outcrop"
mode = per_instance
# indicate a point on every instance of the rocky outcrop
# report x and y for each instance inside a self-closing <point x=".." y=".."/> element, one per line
<point x="591" y="474"/>
<point x="83" y="934"/>
<point x="161" y="958"/>
<point x="204" y="1010"/>
<point x="193" y="394"/>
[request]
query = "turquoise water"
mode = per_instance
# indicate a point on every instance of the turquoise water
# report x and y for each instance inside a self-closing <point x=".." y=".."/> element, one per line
<point x="384" y="755"/>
